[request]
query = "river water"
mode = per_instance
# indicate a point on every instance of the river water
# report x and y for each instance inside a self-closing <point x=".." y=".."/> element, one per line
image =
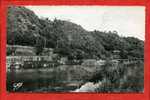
<point x="39" y="80"/>
<point x="68" y="78"/>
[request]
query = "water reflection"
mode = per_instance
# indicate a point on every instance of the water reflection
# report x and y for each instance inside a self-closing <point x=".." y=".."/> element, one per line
<point x="43" y="79"/>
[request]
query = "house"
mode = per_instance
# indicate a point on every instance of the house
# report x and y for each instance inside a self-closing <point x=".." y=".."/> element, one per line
<point x="89" y="62"/>
<point x="31" y="61"/>
<point x="63" y="60"/>
<point x="100" y="62"/>
<point x="116" y="54"/>
<point x="14" y="61"/>
<point x="18" y="50"/>
<point x="47" y="51"/>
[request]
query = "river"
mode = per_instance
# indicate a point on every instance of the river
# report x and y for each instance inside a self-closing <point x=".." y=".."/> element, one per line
<point x="37" y="80"/>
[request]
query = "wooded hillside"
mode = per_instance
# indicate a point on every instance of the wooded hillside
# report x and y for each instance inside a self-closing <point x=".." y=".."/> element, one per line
<point x="67" y="38"/>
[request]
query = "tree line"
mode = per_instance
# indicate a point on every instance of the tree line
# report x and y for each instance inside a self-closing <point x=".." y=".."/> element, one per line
<point x="67" y="38"/>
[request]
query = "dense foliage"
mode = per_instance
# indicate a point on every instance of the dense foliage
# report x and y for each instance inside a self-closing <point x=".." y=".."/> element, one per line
<point x="66" y="38"/>
<point x="120" y="78"/>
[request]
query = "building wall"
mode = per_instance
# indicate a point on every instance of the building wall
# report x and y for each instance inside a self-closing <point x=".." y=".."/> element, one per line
<point x="21" y="60"/>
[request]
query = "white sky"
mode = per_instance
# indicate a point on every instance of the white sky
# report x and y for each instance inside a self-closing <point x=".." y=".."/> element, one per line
<point x="126" y="20"/>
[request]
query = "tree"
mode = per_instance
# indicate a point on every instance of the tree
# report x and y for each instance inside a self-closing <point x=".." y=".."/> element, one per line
<point x="39" y="45"/>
